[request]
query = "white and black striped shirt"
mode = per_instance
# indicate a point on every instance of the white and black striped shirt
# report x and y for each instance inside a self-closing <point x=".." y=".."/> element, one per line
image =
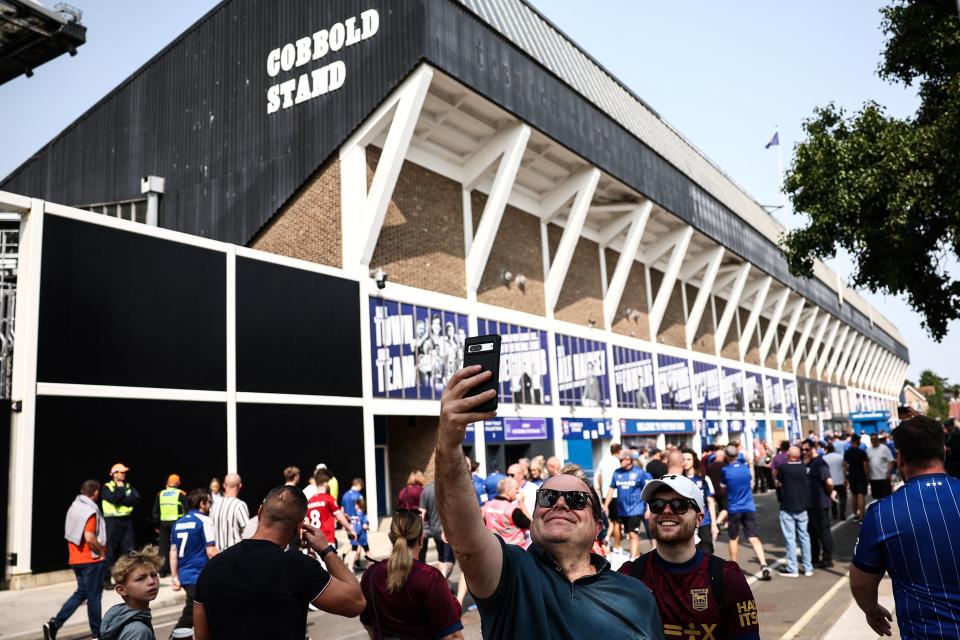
<point x="230" y="516"/>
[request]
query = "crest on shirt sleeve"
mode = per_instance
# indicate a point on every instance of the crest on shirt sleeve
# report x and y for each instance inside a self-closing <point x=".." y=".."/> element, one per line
<point x="699" y="599"/>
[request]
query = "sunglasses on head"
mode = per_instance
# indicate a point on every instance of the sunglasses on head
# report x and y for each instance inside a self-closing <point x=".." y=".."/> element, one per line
<point x="575" y="500"/>
<point x="678" y="506"/>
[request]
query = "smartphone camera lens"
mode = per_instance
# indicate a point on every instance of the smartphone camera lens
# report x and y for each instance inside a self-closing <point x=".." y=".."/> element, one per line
<point x="474" y="348"/>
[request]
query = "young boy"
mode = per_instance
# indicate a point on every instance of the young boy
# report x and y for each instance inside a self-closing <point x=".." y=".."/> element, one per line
<point x="360" y="525"/>
<point x="137" y="576"/>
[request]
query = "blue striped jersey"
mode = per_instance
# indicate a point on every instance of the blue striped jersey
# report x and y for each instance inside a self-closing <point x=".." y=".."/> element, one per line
<point x="914" y="535"/>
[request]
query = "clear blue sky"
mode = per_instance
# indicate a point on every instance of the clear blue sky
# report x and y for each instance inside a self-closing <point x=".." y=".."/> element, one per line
<point x="724" y="74"/>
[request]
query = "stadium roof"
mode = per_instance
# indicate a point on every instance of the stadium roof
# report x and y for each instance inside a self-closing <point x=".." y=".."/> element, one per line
<point x="31" y="34"/>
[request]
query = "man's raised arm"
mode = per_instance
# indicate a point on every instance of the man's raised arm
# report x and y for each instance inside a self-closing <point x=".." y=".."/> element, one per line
<point x="476" y="548"/>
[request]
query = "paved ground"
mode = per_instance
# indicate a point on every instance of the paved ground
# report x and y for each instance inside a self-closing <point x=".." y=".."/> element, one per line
<point x="802" y="608"/>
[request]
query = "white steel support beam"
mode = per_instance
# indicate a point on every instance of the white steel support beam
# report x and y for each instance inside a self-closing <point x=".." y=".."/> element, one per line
<point x="828" y="345"/>
<point x="804" y="337"/>
<point x="811" y="355"/>
<point x="363" y="210"/>
<point x="587" y="185"/>
<point x="663" y="244"/>
<point x="844" y="342"/>
<point x="856" y="340"/>
<point x="896" y="378"/>
<point x="865" y="360"/>
<point x="662" y="298"/>
<point x="570" y="187"/>
<point x="884" y="372"/>
<point x="795" y="314"/>
<point x="873" y="375"/>
<point x="858" y="350"/>
<point x="758" y="302"/>
<point x="703" y="294"/>
<point x="508" y="145"/>
<point x="618" y="225"/>
<point x="869" y="367"/>
<point x="779" y="306"/>
<point x="723" y="327"/>
<point x="611" y="299"/>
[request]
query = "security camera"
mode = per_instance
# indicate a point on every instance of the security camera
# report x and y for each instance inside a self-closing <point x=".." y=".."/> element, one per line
<point x="380" y="277"/>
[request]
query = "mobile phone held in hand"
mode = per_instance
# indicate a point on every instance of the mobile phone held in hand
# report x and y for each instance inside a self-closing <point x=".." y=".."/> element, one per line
<point x="485" y="351"/>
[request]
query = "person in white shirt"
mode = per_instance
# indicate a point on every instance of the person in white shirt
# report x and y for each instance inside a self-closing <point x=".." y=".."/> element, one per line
<point x="601" y="480"/>
<point x="881" y="468"/>
<point x="230" y="514"/>
<point x="834" y="460"/>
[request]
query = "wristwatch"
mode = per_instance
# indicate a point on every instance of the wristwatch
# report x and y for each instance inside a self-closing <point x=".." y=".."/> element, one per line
<point x="330" y="549"/>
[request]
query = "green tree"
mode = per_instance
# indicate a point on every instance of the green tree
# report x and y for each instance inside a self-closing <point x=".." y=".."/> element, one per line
<point x="885" y="189"/>
<point x="938" y="404"/>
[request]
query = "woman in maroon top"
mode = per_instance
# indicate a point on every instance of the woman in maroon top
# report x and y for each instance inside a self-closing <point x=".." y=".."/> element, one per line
<point x="410" y="495"/>
<point x="405" y="597"/>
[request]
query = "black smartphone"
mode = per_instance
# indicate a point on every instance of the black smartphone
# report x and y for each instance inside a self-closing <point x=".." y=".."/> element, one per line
<point x="485" y="351"/>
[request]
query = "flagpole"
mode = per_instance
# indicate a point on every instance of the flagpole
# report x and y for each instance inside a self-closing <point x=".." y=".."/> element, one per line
<point x="780" y="187"/>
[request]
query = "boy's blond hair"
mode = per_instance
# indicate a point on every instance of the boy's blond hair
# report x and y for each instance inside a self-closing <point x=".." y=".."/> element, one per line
<point x="148" y="556"/>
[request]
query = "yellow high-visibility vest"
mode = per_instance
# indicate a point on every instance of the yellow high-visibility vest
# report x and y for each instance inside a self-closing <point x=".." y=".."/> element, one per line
<point x="170" y="506"/>
<point x="111" y="510"/>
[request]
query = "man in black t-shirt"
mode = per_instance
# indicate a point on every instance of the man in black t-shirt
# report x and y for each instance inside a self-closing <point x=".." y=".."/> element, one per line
<point x="255" y="589"/>
<point x="855" y="466"/>
<point x="793" y="489"/>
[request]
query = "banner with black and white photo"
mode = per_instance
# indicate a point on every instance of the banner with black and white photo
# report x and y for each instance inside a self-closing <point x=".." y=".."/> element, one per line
<point x="774" y="393"/>
<point x="706" y="381"/>
<point x="524" y="374"/>
<point x="753" y="392"/>
<point x="673" y="383"/>
<point x="582" y="372"/>
<point x="733" y="389"/>
<point x="633" y="377"/>
<point x="414" y="349"/>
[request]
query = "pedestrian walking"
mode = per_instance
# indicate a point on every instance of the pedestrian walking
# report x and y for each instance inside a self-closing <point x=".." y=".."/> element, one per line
<point x="856" y="467"/>
<point x="349" y="501"/>
<point x="714" y="472"/>
<point x="85" y="531"/>
<point x="506" y="516"/>
<point x="834" y="460"/>
<point x="708" y="531"/>
<point x="479" y="485"/>
<point x="118" y="499"/>
<point x="521" y="593"/>
<point x="881" y="468"/>
<point x="655" y="466"/>
<point x="493" y="479"/>
<point x="628" y="481"/>
<point x="793" y="489"/>
<point x="359" y="546"/>
<point x="526" y="490"/>
<point x="914" y="536"/>
<point x="818" y="506"/>
<point x="601" y="478"/>
<point x="407" y="598"/>
<point x="323" y="512"/>
<point x="193" y="542"/>
<point x="291" y="476"/>
<point x="169" y="506"/>
<point x="434" y="531"/>
<point x="409" y="497"/>
<point x="230" y="514"/>
<point x="216" y="489"/>
<point x="735" y="477"/>
<point x="137" y="576"/>
<point x="256" y="589"/>
<point x="698" y="594"/>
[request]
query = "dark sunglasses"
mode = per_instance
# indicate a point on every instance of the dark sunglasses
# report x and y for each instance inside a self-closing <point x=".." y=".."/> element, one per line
<point x="575" y="500"/>
<point x="678" y="506"/>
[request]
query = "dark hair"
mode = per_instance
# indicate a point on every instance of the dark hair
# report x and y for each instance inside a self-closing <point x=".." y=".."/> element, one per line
<point x="696" y="460"/>
<point x="89" y="487"/>
<point x="615" y="448"/>
<point x="321" y="477"/>
<point x="197" y="497"/>
<point x="784" y="445"/>
<point x="855" y="437"/>
<point x="285" y="505"/>
<point x="920" y="441"/>
<point x="830" y="447"/>
<point x="290" y="474"/>
<point x="474" y="465"/>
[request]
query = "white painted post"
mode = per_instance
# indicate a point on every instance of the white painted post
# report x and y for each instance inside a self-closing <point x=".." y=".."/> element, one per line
<point x="846" y="367"/>
<point x="754" y="317"/>
<point x="844" y="342"/>
<point x="703" y="295"/>
<point x="730" y="310"/>
<point x="662" y="298"/>
<point x="791" y="329"/>
<point x="231" y="257"/>
<point x="827" y="346"/>
<point x="571" y="235"/>
<point x="614" y="292"/>
<point x="767" y="341"/>
<point x="815" y="345"/>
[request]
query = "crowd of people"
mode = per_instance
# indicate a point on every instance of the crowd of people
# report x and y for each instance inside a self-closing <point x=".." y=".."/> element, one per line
<point x="531" y="541"/>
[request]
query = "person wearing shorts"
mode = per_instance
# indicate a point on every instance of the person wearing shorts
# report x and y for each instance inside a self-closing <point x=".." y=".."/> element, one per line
<point x="741" y="508"/>
<point x="628" y="481"/>
<point x="855" y="465"/>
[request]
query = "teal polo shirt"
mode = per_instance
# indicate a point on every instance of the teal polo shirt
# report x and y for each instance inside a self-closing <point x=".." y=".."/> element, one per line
<point x="535" y="600"/>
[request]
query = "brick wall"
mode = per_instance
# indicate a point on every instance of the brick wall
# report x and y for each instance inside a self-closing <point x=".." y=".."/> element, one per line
<point x="703" y="338"/>
<point x="308" y="227"/>
<point x="581" y="297"/>
<point x="421" y="242"/>
<point x="516" y="248"/>
<point x="672" y="331"/>
<point x="634" y="298"/>
<point x="410" y="445"/>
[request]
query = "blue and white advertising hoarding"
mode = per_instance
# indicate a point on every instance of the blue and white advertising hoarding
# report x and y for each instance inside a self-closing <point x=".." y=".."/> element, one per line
<point x="524" y="373"/>
<point x="582" y="372"/>
<point x="633" y="377"/>
<point x="501" y="430"/>
<point x="415" y="349"/>
<point x="652" y="427"/>
<point x="753" y="392"/>
<point x="706" y="381"/>
<point x="793" y="410"/>
<point x="735" y="426"/>
<point x="673" y="383"/>
<point x="774" y="393"/>
<point x="714" y="427"/>
<point x="732" y="389"/>
<point x="586" y="428"/>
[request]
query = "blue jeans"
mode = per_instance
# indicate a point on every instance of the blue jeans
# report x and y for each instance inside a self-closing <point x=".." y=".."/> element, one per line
<point x="794" y="525"/>
<point x="89" y="588"/>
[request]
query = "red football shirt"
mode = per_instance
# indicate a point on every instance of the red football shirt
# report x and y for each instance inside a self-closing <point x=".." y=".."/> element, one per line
<point x="686" y="601"/>
<point x="320" y="511"/>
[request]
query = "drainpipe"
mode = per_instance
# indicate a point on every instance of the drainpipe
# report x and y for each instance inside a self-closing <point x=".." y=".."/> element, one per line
<point x="152" y="186"/>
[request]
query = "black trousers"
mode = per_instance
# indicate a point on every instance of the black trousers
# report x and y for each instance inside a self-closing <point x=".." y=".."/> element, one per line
<point x="839" y="508"/>
<point x="821" y="539"/>
<point x="119" y="540"/>
<point x="163" y="541"/>
<point x="185" y="621"/>
<point x="706" y="539"/>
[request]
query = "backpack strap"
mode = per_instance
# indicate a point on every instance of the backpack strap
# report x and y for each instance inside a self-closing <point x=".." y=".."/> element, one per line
<point x="715" y="571"/>
<point x="639" y="566"/>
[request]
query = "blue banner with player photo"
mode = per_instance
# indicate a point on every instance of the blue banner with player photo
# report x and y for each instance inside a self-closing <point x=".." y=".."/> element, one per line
<point x="524" y="374"/>
<point x="673" y="383"/>
<point x="645" y="427"/>
<point x="706" y="382"/>
<point x="633" y="378"/>
<point x="774" y="393"/>
<point x="735" y="426"/>
<point x="714" y="427"/>
<point x="753" y="392"/>
<point x="414" y="349"/>
<point x="582" y="372"/>
<point x="586" y="428"/>
<point x="733" y="389"/>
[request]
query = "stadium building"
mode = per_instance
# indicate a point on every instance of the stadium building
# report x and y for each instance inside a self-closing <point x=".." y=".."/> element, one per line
<point x="270" y="242"/>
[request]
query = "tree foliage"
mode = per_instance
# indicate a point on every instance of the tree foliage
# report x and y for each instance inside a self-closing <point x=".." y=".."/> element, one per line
<point x="887" y="190"/>
<point x="937" y="402"/>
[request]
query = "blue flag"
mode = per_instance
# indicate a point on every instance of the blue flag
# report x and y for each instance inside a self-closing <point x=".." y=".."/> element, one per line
<point x="774" y="141"/>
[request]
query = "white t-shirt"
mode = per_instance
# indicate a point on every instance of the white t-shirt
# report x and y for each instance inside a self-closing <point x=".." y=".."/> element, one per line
<point x="880" y="458"/>
<point x="608" y="465"/>
<point x="835" y="462"/>
<point x="528" y="493"/>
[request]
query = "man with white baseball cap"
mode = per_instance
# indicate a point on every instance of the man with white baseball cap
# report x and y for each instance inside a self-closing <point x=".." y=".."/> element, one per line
<point x="694" y="590"/>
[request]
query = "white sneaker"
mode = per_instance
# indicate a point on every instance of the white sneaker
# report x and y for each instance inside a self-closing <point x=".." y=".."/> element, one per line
<point x="788" y="574"/>
<point x="808" y="573"/>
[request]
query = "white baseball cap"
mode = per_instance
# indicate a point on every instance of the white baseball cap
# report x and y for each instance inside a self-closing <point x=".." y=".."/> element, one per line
<point x="681" y="484"/>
